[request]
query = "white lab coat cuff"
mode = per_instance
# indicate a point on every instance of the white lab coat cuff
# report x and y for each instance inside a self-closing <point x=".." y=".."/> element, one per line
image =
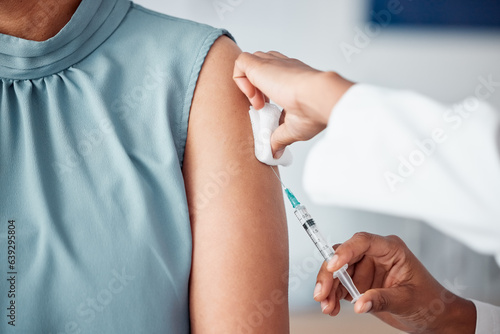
<point x="488" y="318"/>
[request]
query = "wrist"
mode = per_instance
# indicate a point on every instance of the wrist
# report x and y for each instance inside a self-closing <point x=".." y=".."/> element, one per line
<point x="459" y="317"/>
<point x="328" y="89"/>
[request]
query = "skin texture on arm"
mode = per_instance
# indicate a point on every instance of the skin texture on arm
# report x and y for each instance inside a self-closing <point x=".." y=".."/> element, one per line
<point x="239" y="277"/>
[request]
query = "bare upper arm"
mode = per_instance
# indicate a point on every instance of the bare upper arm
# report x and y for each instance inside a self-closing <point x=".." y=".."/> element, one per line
<point x="240" y="247"/>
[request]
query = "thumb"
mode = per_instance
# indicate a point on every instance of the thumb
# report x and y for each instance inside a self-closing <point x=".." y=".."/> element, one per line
<point x="395" y="300"/>
<point x="280" y="139"/>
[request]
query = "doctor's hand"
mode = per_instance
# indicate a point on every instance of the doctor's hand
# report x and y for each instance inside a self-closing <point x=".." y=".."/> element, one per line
<point x="397" y="288"/>
<point x="306" y="95"/>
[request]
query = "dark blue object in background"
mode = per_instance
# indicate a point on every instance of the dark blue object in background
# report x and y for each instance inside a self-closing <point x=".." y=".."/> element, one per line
<point x="454" y="13"/>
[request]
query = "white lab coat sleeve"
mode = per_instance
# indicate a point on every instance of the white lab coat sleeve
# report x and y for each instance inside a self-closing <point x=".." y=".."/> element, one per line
<point x="488" y="318"/>
<point x="400" y="153"/>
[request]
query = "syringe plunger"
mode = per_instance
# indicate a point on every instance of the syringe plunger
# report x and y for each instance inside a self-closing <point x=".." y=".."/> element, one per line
<point x="347" y="282"/>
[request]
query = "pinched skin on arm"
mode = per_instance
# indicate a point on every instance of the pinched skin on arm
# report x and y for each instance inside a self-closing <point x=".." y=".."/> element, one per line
<point x="239" y="276"/>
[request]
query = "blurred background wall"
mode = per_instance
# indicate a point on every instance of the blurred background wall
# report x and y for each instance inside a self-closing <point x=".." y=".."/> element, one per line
<point x="442" y="62"/>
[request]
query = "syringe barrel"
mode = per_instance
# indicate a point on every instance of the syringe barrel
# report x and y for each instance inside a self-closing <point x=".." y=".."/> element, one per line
<point x="312" y="230"/>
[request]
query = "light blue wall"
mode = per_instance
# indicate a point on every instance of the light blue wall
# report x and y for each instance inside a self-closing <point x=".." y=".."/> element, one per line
<point x="442" y="64"/>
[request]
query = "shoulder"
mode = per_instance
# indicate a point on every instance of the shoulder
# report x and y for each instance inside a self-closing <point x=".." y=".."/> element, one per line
<point x="221" y="57"/>
<point x="215" y="86"/>
<point x="143" y="20"/>
<point x="165" y="39"/>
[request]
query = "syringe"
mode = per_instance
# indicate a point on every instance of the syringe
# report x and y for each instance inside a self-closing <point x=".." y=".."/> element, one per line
<point x="326" y="251"/>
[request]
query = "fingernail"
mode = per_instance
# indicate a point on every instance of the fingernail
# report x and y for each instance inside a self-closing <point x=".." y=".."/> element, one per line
<point x="333" y="262"/>
<point x="324" y="305"/>
<point x="366" y="307"/>
<point x="240" y="84"/>
<point x="279" y="153"/>
<point x="317" y="290"/>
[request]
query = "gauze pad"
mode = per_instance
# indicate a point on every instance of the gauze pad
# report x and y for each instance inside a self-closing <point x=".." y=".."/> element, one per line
<point x="264" y="122"/>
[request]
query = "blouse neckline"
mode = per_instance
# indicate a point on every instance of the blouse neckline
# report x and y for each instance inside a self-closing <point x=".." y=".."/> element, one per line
<point x="91" y="24"/>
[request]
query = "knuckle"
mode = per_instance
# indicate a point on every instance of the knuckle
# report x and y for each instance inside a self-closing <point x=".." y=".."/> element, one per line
<point x="382" y="304"/>
<point x="321" y="272"/>
<point x="241" y="58"/>
<point x="364" y="236"/>
<point x="394" y="239"/>
<point x="259" y="53"/>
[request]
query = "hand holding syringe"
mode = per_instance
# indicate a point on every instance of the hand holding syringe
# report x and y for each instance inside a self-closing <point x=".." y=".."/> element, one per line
<point x="326" y="251"/>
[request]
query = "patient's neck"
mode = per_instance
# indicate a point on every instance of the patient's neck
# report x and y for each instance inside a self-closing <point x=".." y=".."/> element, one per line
<point x="36" y="20"/>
